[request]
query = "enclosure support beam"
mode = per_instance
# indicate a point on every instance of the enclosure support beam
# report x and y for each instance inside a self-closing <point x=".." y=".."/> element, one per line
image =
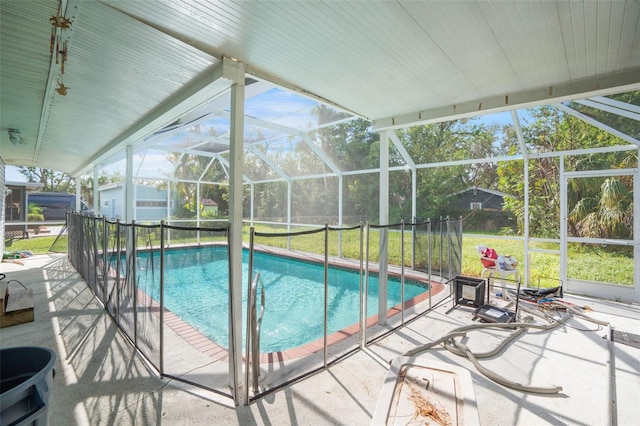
<point x="636" y="234"/>
<point x="412" y="166"/>
<point x="235" y="249"/>
<point x="384" y="220"/>
<point x="198" y="204"/>
<point x="414" y="194"/>
<point x="525" y="156"/>
<point x="563" y="223"/>
<point x="78" y="205"/>
<point x="128" y="189"/>
<point x="598" y="124"/>
<point x="96" y="192"/>
<point x="168" y="213"/>
<point x="289" y="203"/>
<point x="252" y="186"/>
<point x="340" y="199"/>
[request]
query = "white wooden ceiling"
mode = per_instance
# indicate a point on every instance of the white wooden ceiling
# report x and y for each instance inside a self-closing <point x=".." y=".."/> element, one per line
<point x="133" y="65"/>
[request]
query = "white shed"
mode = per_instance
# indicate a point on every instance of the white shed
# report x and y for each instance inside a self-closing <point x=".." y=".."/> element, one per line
<point x="151" y="203"/>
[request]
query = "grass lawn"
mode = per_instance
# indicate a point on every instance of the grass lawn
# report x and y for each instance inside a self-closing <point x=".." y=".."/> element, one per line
<point x="37" y="245"/>
<point x="588" y="263"/>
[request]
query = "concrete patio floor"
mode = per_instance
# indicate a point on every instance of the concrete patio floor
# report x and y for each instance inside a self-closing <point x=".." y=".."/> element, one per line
<point x="101" y="380"/>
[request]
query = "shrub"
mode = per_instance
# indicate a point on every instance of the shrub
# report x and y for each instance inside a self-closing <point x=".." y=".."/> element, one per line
<point x="35" y="217"/>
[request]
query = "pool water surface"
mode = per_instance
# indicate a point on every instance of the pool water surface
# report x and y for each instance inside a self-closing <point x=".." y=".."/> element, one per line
<point x="196" y="290"/>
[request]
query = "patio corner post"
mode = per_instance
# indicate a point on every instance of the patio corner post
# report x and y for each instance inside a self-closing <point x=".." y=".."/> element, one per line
<point x="129" y="188"/>
<point x="235" y="71"/>
<point x="78" y="204"/>
<point x="96" y="191"/>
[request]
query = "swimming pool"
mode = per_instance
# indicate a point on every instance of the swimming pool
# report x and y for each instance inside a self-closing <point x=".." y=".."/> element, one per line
<point x="196" y="283"/>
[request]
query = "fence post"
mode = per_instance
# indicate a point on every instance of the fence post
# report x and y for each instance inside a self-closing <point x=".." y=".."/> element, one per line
<point x="429" y="257"/>
<point x="105" y="250"/>
<point x="118" y="269"/>
<point x="402" y="271"/>
<point x="95" y="253"/>
<point x="249" y="331"/>
<point x="383" y="268"/>
<point x="460" y="244"/>
<point x="449" y="248"/>
<point x="162" y="227"/>
<point x="366" y="284"/>
<point x="413" y="242"/>
<point x="326" y="290"/>
<point x="133" y="281"/>
<point x="362" y="298"/>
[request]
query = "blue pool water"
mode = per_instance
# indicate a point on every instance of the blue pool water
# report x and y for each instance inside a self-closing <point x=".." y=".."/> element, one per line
<point x="196" y="284"/>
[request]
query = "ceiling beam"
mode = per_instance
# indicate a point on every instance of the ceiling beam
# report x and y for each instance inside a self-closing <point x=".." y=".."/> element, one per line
<point x="52" y="81"/>
<point x="624" y="81"/>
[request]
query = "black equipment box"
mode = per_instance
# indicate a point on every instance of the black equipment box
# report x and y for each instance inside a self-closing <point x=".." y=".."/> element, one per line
<point x="494" y="314"/>
<point x="469" y="291"/>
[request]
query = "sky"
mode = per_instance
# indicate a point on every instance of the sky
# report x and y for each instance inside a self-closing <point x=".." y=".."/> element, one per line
<point x="12" y="174"/>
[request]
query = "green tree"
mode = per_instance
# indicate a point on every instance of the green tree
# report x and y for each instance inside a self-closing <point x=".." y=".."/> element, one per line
<point x="607" y="214"/>
<point x="189" y="169"/>
<point x="350" y="145"/>
<point x="51" y="180"/>
<point x="54" y="181"/>
<point x="552" y="130"/>
<point x="444" y="142"/>
<point x="619" y="122"/>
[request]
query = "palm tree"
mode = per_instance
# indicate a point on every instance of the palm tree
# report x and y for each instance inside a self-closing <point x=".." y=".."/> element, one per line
<point x="607" y="215"/>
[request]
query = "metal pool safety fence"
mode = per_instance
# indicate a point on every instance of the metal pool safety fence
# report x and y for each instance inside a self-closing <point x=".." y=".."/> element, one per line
<point x="128" y="268"/>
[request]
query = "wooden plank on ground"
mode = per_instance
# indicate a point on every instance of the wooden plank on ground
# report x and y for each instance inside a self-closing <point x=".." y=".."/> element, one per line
<point x="18" y="308"/>
<point x="4" y="288"/>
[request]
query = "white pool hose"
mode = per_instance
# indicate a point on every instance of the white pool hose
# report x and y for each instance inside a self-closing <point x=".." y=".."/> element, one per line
<point x="429" y="345"/>
<point x="521" y="328"/>
<point x="503" y="381"/>
<point x="461" y="349"/>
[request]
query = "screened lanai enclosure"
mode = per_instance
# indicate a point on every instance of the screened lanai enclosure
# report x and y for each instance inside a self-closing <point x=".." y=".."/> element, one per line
<point x="307" y="164"/>
<point x="360" y="220"/>
<point x="276" y="185"/>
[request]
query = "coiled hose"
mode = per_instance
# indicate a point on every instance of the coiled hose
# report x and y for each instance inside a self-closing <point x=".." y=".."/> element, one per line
<point x="461" y="349"/>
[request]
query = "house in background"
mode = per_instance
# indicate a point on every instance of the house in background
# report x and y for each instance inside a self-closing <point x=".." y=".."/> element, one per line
<point x="15" y="200"/>
<point x="481" y="210"/>
<point x="150" y="202"/>
<point x="476" y="198"/>
<point x="14" y="211"/>
<point x="210" y="206"/>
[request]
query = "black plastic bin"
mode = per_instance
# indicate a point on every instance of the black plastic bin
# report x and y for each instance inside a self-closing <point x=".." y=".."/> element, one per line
<point x="26" y="375"/>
